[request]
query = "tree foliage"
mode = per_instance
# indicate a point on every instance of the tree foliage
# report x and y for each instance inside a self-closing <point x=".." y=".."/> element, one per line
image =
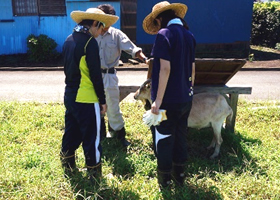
<point x="266" y="24"/>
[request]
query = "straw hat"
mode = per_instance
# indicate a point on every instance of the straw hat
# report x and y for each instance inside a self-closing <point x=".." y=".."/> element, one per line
<point x="148" y="23"/>
<point x="94" y="14"/>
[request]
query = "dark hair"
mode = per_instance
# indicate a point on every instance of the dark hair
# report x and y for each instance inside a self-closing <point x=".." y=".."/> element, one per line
<point x="185" y="25"/>
<point x="107" y="9"/>
<point x="89" y="22"/>
<point x="167" y="16"/>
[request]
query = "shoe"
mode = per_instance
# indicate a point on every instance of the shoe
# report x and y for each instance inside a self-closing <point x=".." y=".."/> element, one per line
<point x="95" y="174"/>
<point x="124" y="142"/>
<point x="164" y="179"/>
<point x="111" y="133"/>
<point x="68" y="164"/>
<point x="121" y="137"/>
<point x="178" y="174"/>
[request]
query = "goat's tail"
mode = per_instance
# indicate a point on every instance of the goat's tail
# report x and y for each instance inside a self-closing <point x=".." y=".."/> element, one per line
<point x="230" y="116"/>
<point x="230" y="113"/>
<point x="227" y="98"/>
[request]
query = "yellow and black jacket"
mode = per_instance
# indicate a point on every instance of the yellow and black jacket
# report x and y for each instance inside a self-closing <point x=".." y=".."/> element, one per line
<point x="82" y="69"/>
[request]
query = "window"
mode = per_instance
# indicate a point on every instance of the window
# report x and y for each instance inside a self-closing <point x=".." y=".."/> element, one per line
<point x="39" y="7"/>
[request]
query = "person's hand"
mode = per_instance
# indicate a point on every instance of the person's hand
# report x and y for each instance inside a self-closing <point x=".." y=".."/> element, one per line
<point x="148" y="61"/>
<point x="141" y="56"/>
<point x="155" y="106"/>
<point x="103" y="109"/>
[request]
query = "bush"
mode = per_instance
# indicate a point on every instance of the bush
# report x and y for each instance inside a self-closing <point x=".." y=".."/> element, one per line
<point x="266" y="24"/>
<point x="41" y="48"/>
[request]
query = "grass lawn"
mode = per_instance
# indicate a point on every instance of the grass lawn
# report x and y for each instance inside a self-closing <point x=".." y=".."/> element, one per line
<point x="248" y="166"/>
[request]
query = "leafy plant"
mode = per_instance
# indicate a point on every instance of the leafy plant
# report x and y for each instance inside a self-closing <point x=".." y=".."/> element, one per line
<point x="266" y="24"/>
<point x="251" y="57"/>
<point x="41" y="48"/>
<point x="277" y="46"/>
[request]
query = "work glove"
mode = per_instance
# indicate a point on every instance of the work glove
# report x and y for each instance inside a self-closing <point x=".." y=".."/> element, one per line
<point x="152" y="119"/>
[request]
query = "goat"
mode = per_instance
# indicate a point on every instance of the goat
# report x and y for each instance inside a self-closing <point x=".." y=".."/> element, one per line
<point x="208" y="110"/>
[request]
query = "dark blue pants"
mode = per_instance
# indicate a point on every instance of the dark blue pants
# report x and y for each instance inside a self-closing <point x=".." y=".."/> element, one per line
<point x="82" y="126"/>
<point x="170" y="145"/>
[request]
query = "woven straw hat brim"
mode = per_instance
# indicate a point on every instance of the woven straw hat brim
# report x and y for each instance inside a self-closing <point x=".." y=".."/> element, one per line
<point x="148" y="22"/>
<point x="107" y="19"/>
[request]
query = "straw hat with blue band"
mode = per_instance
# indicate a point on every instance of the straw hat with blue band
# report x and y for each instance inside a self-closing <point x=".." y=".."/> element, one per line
<point x="148" y="23"/>
<point x="94" y="14"/>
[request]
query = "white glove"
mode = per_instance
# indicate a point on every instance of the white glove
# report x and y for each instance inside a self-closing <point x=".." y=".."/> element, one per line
<point x="153" y="120"/>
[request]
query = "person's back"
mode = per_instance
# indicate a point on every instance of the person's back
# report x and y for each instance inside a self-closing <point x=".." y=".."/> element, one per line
<point x="172" y="79"/>
<point x="84" y="97"/>
<point x="73" y="50"/>
<point x="177" y="44"/>
<point x="112" y="42"/>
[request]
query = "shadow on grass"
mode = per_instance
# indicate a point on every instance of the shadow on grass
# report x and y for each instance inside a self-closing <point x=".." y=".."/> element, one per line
<point x="83" y="189"/>
<point x="115" y="154"/>
<point x="190" y="192"/>
<point x="232" y="154"/>
<point x="233" y="157"/>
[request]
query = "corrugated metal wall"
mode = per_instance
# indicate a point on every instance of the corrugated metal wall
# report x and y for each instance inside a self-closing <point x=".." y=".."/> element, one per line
<point x="14" y="30"/>
<point x="221" y="28"/>
<point x="211" y="21"/>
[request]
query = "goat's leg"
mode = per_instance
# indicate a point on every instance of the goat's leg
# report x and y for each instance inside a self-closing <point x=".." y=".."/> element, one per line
<point x="217" y="134"/>
<point x="213" y="143"/>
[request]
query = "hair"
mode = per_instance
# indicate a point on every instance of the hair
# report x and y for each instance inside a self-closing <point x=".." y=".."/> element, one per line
<point x="107" y="9"/>
<point x="167" y="16"/>
<point x="89" y="22"/>
<point x="185" y="25"/>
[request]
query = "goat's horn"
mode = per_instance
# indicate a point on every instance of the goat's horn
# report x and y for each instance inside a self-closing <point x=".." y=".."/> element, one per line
<point x="146" y="82"/>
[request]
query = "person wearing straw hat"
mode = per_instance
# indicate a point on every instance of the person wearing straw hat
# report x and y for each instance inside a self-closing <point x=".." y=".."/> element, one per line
<point x="172" y="87"/>
<point x="84" y="96"/>
<point x="112" y="42"/>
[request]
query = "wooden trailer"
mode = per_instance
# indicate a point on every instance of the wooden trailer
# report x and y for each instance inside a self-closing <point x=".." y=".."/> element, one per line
<point x="212" y="75"/>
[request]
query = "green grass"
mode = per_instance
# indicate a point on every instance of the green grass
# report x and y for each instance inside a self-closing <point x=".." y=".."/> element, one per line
<point x="248" y="166"/>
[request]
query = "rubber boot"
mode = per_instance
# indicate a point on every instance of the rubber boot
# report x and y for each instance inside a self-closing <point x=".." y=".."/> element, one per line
<point x="164" y="179"/>
<point x="178" y="174"/>
<point x="111" y="133"/>
<point x="121" y="137"/>
<point x="68" y="163"/>
<point x="95" y="174"/>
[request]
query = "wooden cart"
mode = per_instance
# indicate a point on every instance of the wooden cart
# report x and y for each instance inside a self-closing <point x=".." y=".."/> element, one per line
<point x="212" y="75"/>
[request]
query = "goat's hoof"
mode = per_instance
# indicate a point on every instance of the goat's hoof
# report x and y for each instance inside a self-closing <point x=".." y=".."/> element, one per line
<point x="210" y="147"/>
<point x="214" y="156"/>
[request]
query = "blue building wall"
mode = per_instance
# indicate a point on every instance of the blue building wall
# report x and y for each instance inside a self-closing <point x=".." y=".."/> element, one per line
<point x="15" y="29"/>
<point x="211" y="21"/>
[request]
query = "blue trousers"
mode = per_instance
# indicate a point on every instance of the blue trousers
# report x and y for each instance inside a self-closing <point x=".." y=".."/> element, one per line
<point x="82" y="126"/>
<point x="170" y="145"/>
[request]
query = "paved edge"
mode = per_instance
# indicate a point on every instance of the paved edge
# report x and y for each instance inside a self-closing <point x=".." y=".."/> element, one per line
<point x="118" y="69"/>
<point x="61" y="68"/>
